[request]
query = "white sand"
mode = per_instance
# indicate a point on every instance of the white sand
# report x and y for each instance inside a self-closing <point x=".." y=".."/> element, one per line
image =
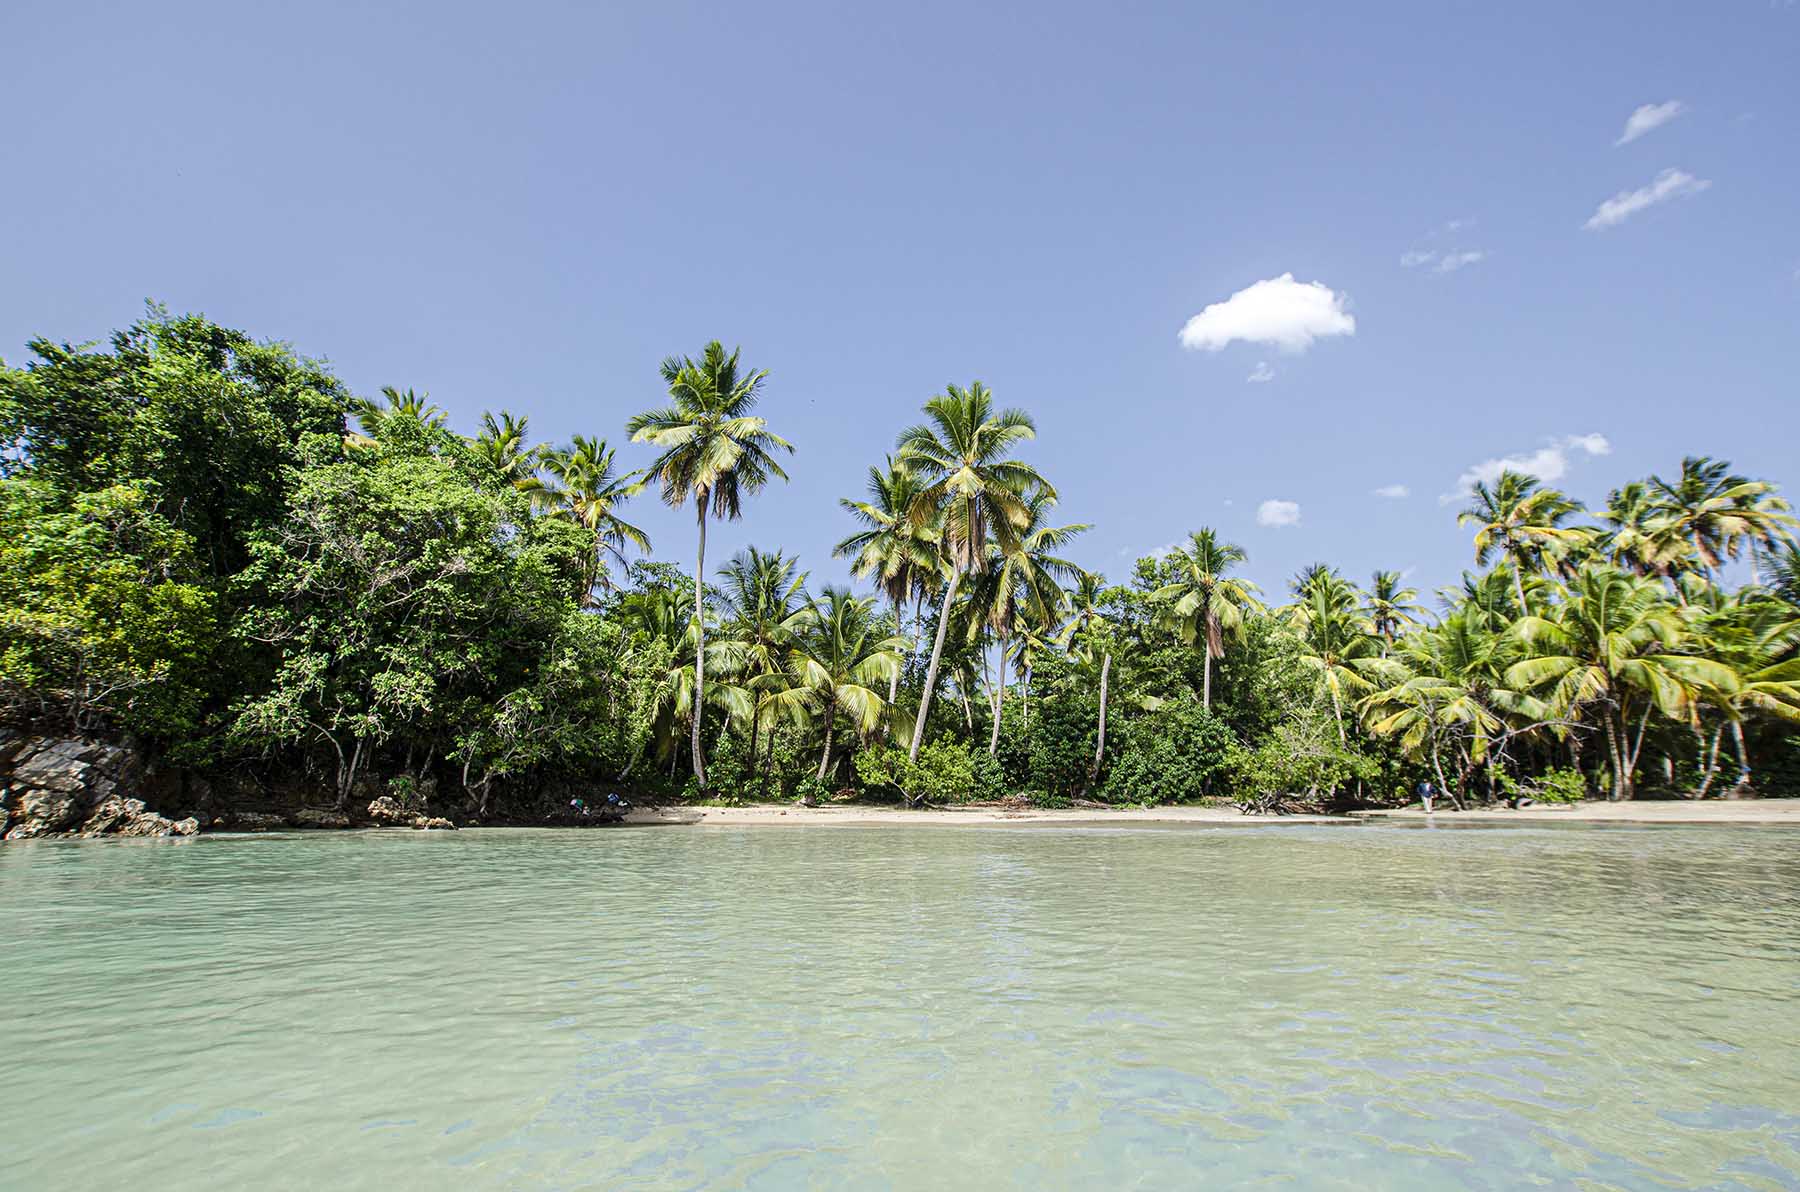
<point x="1750" y="811"/>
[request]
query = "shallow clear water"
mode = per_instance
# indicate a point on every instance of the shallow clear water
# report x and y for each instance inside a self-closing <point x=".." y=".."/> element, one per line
<point x="898" y="1007"/>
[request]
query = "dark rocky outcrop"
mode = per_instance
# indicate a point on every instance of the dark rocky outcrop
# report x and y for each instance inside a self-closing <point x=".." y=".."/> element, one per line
<point x="53" y="786"/>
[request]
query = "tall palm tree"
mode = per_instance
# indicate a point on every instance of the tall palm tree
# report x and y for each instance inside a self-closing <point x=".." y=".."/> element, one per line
<point x="839" y="661"/>
<point x="1022" y="582"/>
<point x="766" y="612"/>
<point x="1639" y="538"/>
<point x="1083" y="635"/>
<point x="1716" y="512"/>
<point x="1522" y="522"/>
<point x="1611" y="647"/>
<point x="714" y="451"/>
<point x="1754" y="636"/>
<point x="1335" y="645"/>
<point x="398" y="407"/>
<point x="1389" y="608"/>
<point x="972" y="489"/>
<point x="899" y="554"/>
<point x="589" y="491"/>
<point x="1204" y="602"/>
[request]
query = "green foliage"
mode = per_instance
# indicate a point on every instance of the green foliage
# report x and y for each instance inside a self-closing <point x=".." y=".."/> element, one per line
<point x="1179" y="753"/>
<point x="1062" y="743"/>
<point x="1302" y="759"/>
<point x="943" y="773"/>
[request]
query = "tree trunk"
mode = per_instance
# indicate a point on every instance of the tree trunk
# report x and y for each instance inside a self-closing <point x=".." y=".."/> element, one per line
<point x="931" y="671"/>
<point x="999" y="701"/>
<point x="1025" y="695"/>
<point x="1737" y="739"/>
<point x="1519" y="584"/>
<point x="1709" y="760"/>
<point x="1206" y="676"/>
<point x="825" y="757"/>
<point x="894" y="679"/>
<point x="1615" y="751"/>
<point x="1100" y="742"/>
<point x="700" y="649"/>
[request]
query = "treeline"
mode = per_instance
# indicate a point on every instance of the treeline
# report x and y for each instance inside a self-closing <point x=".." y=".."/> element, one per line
<point x="210" y="547"/>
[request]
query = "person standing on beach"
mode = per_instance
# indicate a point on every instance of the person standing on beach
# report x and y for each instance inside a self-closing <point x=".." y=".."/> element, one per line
<point x="1425" y="794"/>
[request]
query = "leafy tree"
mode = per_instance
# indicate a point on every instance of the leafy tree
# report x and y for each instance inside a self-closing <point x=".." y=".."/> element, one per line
<point x="1205" y="603"/>
<point x="1522" y="522"/>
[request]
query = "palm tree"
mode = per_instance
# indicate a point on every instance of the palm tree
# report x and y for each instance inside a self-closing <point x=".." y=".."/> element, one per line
<point x="1522" y="522"/>
<point x="589" y="493"/>
<point x="1086" y="624"/>
<point x="1754" y="636"/>
<point x="1612" y="645"/>
<point x="1334" y="642"/>
<point x="972" y="489"/>
<point x="1389" y="608"/>
<point x="1716" y="513"/>
<point x="899" y="554"/>
<point x="1640" y="539"/>
<point x="840" y="658"/>
<point x="1020" y="583"/>
<point x="505" y="444"/>
<point x="402" y="407"/>
<point x="766" y="611"/>
<point x="1204" y="602"/>
<point x="714" y="450"/>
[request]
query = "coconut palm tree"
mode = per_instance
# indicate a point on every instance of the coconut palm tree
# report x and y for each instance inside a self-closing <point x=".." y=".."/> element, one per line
<point x="1639" y="538"/>
<point x="1611" y="648"/>
<point x="971" y="487"/>
<point x="1388" y="608"/>
<point x="1522" y="522"/>
<point x="1754" y="636"/>
<point x="504" y="443"/>
<point x="841" y="660"/>
<point x="1717" y="513"/>
<point x="1204" y="603"/>
<point x="900" y="555"/>
<point x="1335" y="644"/>
<point x="1083" y="635"/>
<point x="398" y="407"/>
<point x="1022" y="583"/>
<point x="714" y="451"/>
<point x="766" y="612"/>
<point x="587" y="489"/>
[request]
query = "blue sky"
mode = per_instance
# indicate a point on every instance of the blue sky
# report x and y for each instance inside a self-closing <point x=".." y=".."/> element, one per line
<point x="529" y="206"/>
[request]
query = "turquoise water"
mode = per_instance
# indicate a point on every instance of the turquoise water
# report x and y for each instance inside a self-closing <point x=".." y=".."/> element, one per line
<point x="1327" y="1007"/>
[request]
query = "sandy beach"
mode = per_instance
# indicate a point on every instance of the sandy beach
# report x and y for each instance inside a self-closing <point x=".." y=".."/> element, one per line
<point x="1763" y="811"/>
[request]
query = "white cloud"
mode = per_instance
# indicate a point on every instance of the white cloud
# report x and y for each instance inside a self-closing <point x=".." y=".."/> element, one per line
<point x="1442" y="262"/>
<point x="1450" y="262"/>
<point x="1262" y="372"/>
<point x="1649" y="118"/>
<point x="1549" y="463"/>
<point x="1393" y="491"/>
<point x="1670" y="184"/>
<point x="1280" y="311"/>
<point x="1278" y="513"/>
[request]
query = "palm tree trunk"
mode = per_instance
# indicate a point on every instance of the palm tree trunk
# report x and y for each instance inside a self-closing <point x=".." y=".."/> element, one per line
<point x="1100" y="742"/>
<point x="931" y="671"/>
<point x="1737" y="739"/>
<point x="1026" y="696"/>
<point x="825" y="757"/>
<point x="1519" y="584"/>
<point x="700" y="650"/>
<point x="1615" y="751"/>
<point x="894" y="679"/>
<point x="1709" y="760"/>
<point x="1206" y="674"/>
<point x="999" y="701"/>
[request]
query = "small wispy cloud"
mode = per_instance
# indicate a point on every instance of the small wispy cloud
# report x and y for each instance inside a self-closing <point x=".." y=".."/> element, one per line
<point x="1648" y="119"/>
<point x="1670" y="184"/>
<point x="1443" y="260"/>
<point x="1277" y="514"/>
<point x="1393" y="492"/>
<point x="1280" y="312"/>
<point x="1548" y="463"/>
<point x="1261" y="373"/>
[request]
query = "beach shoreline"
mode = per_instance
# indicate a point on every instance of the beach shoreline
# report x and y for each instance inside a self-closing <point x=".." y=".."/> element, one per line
<point x="1738" y="812"/>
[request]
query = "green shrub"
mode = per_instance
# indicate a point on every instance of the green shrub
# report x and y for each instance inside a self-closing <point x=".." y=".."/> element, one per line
<point x="1176" y="754"/>
<point x="944" y="773"/>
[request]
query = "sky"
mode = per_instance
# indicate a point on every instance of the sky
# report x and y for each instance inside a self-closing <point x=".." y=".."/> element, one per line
<point x="1300" y="272"/>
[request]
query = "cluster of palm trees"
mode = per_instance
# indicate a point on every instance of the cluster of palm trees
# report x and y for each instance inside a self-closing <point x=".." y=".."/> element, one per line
<point x="1580" y="643"/>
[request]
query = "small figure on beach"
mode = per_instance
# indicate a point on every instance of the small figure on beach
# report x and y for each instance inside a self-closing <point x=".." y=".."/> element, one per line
<point x="1425" y="794"/>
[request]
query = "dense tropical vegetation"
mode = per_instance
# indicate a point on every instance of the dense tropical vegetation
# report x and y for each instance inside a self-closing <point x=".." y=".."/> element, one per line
<point x="214" y="550"/>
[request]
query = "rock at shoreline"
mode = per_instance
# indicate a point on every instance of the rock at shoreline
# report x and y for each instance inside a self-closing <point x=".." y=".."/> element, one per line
<point x="314" y="817"/>
<point x="257" y="821"/>
<point x="63" y="786"/>
<point x="433" y="823"/>
<point x="388" y="812"/>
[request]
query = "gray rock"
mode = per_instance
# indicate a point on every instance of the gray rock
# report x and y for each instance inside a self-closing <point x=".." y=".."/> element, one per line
<point x="433" y="823"/>
<point x="257" y="821"/>
<point x="313" y="817"/>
